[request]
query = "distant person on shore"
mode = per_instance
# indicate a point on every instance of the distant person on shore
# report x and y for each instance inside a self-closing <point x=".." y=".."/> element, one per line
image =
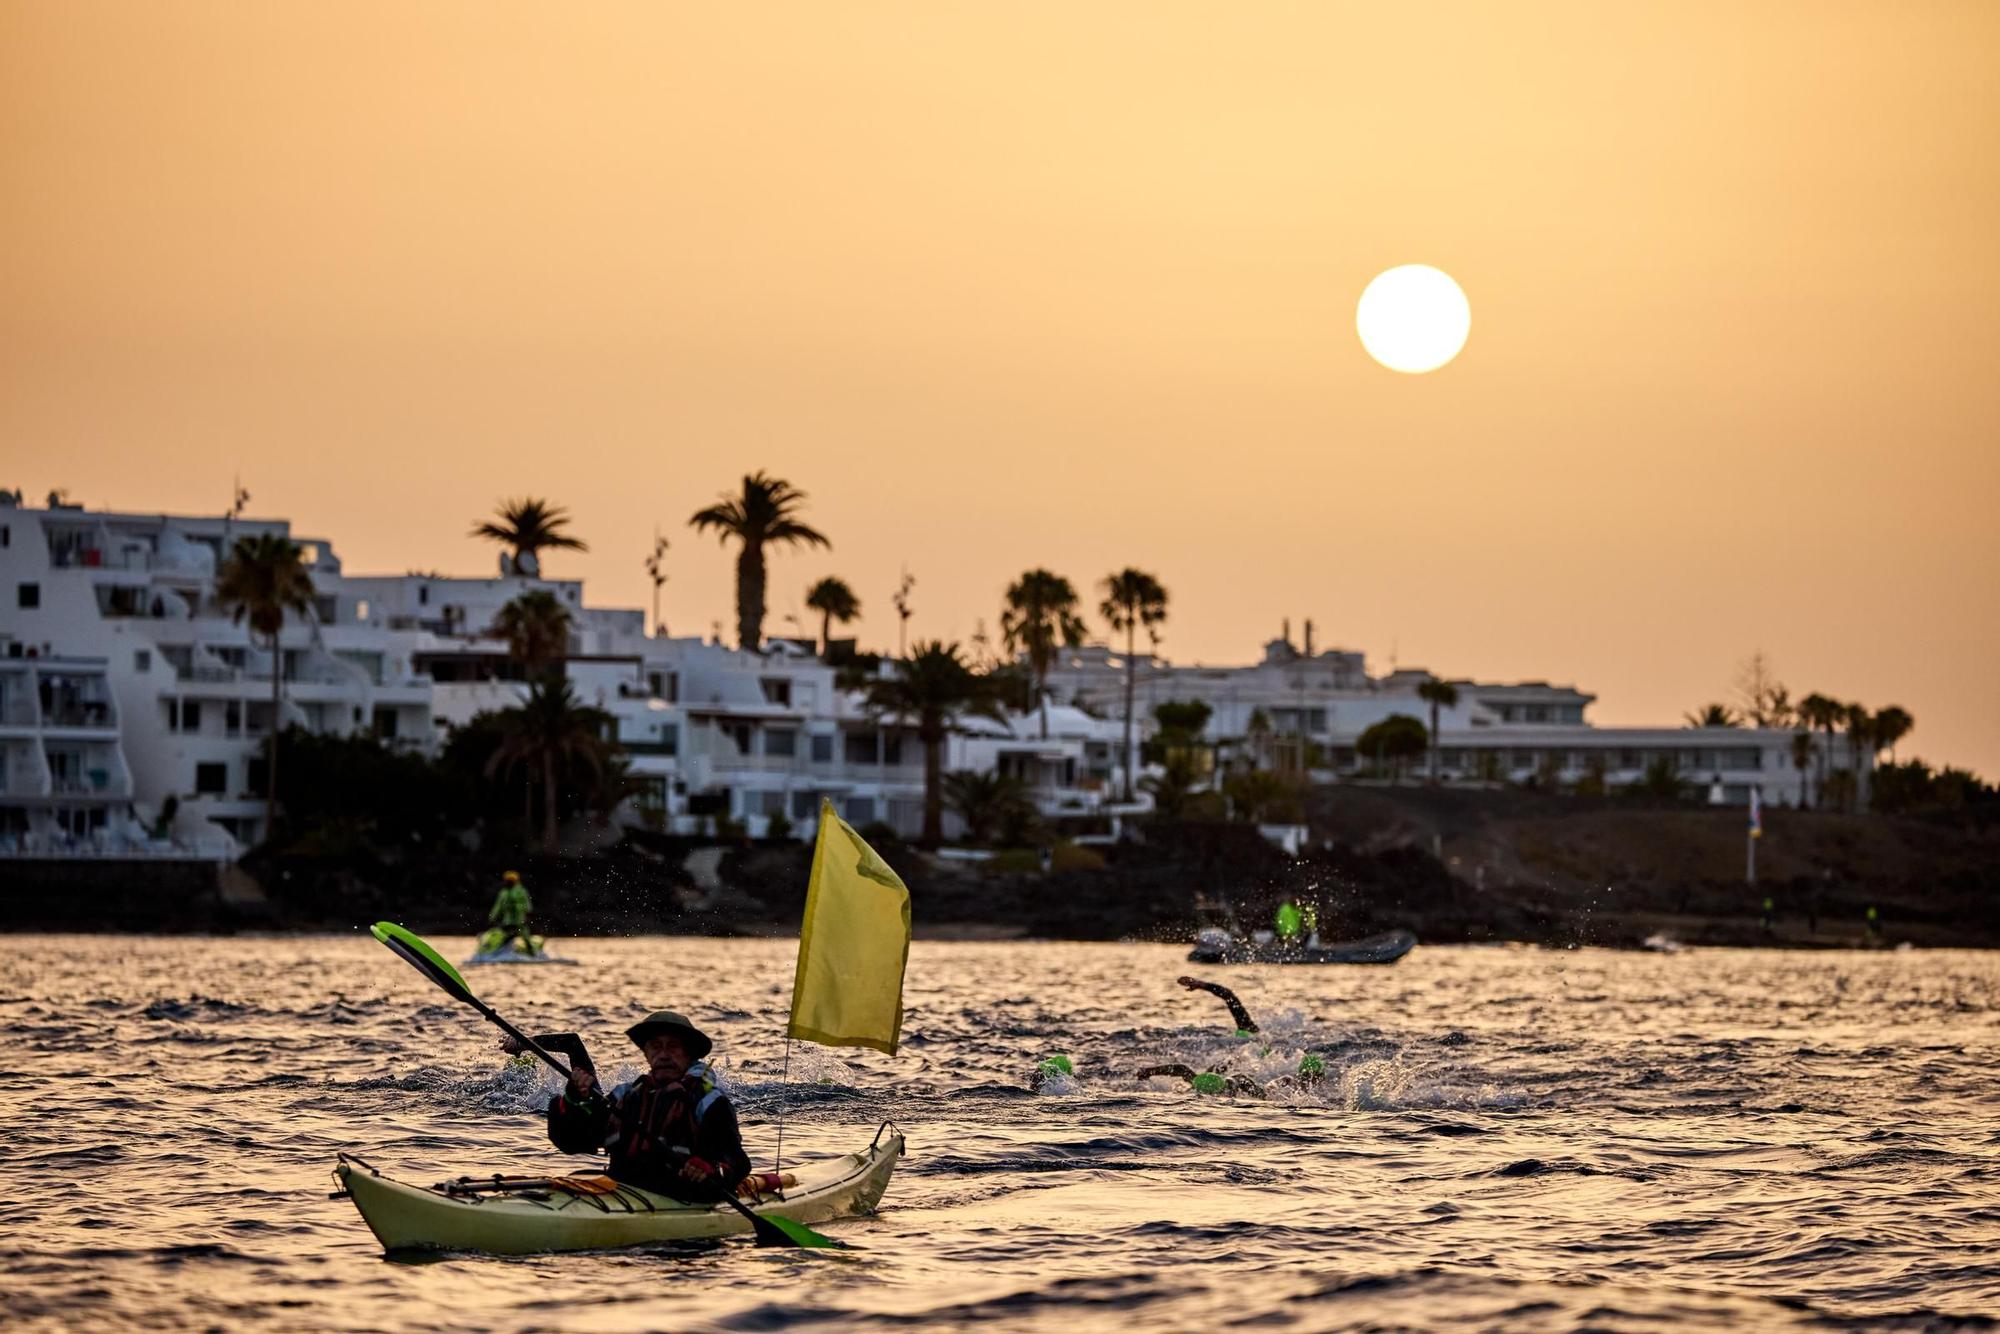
<point x="1874" y="923"/>
<point x="509" y="917"/>
<point x="1770" y="914"/>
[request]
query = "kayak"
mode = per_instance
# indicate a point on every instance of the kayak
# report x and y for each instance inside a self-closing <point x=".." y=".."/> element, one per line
<point x="496" y="947"/>
<point x="531" y="1216"/>
<point x="1214" y="946"/>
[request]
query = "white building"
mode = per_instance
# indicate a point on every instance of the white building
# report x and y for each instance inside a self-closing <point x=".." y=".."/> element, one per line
<point x="1495" y="732"/>
<point x="137" y="706"/>
<point x="133" y="707"/>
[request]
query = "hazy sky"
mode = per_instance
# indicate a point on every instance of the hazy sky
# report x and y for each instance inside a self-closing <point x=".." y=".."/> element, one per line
<point x="1066" y="284"/>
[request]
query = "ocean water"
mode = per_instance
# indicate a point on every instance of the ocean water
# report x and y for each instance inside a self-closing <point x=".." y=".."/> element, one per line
<point x="1506" y="1138"/>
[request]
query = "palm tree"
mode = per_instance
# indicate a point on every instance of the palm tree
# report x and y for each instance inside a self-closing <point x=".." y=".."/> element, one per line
<point x="934" y="686"/>
<point x="1860" y="725"/>
<point x="264" y="578"/>
<point x="834" y="601"/>
<point x="536" y="627"/>
<point x="1821" y="713"/>
<point x="1438" y="694"/>
<point x="1132" y="598"/>
<point x="1712" y="715"/>
<point x="1040" y="612"/>
<point x="1802" y="757"/>
<point x="527" y="527"/>
<point x="1892" y="724"/>
<point x="551" y="732"/>
<point x="766" y="514"/>
<point x="985" y="800"/>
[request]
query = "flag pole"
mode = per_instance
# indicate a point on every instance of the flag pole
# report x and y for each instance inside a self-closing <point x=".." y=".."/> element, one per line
<point x="785" y="1082"/>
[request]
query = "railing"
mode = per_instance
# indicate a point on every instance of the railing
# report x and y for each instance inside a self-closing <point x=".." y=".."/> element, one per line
<point x="87" y="714"/>
<point x="17" y="713"/>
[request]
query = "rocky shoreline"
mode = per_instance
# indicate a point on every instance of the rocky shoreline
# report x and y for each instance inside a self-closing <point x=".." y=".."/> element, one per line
<point x="1452" y="867"/>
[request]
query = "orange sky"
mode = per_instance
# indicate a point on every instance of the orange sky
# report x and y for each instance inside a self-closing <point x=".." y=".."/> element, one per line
<point x="1065" y="284"/>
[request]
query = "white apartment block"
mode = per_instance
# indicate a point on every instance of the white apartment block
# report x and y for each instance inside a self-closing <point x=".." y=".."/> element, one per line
<point x="1495" y="733"/>
<point x="133" y="707"/>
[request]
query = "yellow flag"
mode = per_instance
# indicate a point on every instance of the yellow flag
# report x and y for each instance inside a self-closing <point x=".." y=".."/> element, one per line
<point x="848" y="991"/>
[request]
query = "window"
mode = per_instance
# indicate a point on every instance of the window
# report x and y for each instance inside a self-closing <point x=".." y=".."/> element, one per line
<point x="741" y="734"/>
<point x="142" y="660"/>
<point x="861" y="748"/>
<point x="860" y="810"/>
<point x="190" y="715"/>
<point x="770" y="803"/>
<point x="232" y="718"/>
<point x="805" y="805"/>
<point x="892" y="748"/>
<point x="211" y="779"/>
<point x="822" y="749"/>
<point x="28" y="595"/>
<point x="361" y="610"/>
<point x="663" y="686"/>
<point x="781" y="741"/>
<point x="777" y="690"/>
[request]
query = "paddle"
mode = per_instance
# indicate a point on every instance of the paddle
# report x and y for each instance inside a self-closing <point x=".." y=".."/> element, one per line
<point x="770" y="1231"/>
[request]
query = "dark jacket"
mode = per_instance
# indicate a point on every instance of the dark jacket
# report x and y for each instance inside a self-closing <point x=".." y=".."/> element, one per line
<point x="650" y="1130"/>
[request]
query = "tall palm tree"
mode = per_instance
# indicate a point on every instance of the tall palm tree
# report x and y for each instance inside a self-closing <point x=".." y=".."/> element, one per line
<point x="834" y="601"/>
<point x="1132" y="598"/>
<point x="1040" y="614"/>
<point x="1438" y="694"/>
<point x="551" y="732"/>
<point x="1822" y="713"/>
<point x="264" y="578"/>
<point x="933" y="687"/>
<point x="536" y="627"/>
<point x="1712" y="715"/>
<point x="527" y="527"/>
<point x="1802" y="758"/>
<point x="766" y="514"/>
<point x="1861" y="744"/>
<point x="1892" y="724"/>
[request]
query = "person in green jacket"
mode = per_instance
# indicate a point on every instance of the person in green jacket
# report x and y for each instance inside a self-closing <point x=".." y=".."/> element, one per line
<point x="1290" y="921"/>
<point x="509" y="917"/>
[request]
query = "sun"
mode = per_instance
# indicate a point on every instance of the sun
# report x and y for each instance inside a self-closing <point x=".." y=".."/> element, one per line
<point x="1413" y="318"/>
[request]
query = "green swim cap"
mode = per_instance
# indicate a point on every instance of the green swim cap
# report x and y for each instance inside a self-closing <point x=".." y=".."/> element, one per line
<point x="1210" y="1083"/>
<point x="1056" y="1065"/>
<point x="1311" y="1064"/>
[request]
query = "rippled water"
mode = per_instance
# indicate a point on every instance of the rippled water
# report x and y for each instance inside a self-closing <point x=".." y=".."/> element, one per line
<point x="1510" y="1138"/>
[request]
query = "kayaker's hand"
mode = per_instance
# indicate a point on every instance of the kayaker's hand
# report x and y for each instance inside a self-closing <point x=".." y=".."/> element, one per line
<point x="581" y="1081"/>
<point x="697" y="1169"/>
<point x="510" y="1046"/>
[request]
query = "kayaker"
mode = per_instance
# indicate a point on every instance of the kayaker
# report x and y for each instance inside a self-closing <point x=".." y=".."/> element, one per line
<point x="509" y="916"/>
<point x="670" y="1130"/>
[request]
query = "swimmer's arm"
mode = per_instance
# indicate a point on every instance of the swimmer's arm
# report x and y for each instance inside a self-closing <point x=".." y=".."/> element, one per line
<point x="1228" y="997"/>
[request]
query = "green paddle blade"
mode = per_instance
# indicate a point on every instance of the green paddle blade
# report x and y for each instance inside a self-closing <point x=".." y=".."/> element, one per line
<point x="421" y="957"/>
<point x="773" y="1231"/>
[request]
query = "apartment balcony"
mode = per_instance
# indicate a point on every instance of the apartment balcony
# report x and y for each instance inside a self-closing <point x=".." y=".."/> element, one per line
<point x="20" y="713"/>
<point x="22" y="772"/>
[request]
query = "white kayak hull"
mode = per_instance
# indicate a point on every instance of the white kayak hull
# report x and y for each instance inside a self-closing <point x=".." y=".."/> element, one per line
<point x="542" y="1218"/>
